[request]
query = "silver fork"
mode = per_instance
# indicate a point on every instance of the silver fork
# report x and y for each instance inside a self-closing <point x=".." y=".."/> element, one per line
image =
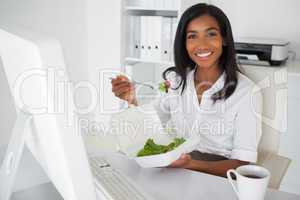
<point x="139" y="83"/>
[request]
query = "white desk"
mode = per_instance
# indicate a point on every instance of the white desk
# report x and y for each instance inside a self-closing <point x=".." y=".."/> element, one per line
<point x="162" y="184"/>
<point x="181" y="184"/>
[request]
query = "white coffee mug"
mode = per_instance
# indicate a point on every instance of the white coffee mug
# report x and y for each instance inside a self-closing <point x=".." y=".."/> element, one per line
<point x="251" y="182"/>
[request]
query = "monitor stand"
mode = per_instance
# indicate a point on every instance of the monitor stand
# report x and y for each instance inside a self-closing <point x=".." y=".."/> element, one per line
<point x="14" y="152"/>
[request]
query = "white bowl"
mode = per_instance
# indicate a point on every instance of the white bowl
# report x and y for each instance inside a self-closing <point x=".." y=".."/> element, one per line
<point x="165" y="159"/>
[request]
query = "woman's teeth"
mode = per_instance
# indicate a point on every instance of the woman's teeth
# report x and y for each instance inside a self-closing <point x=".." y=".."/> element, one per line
<point x="202" y="55"/>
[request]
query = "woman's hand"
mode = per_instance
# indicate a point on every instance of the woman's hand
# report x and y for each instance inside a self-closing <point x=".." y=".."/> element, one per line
<point x="124" y="89"/>
<point x="218" y="168"/>
<point x="182" y="162"/>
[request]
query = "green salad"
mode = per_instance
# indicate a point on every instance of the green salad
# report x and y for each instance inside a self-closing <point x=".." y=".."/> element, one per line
<point x="164" y="86"/>
<point x="150" y="148"/>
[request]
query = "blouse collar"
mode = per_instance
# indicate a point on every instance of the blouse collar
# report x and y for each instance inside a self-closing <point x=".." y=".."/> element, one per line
<point x="218" y="85"/>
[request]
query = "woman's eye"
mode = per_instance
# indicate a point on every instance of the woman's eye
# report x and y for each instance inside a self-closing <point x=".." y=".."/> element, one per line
<point x="212" y="34"/>
<point x="191" y="36"/>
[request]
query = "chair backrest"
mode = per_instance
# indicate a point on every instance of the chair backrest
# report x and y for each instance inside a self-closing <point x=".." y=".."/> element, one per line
<point x="274" y="112"/>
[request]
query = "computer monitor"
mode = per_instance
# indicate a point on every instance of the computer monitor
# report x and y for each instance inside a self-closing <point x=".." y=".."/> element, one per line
<point x="26" y="56"/>
<point x="6" y="106"/>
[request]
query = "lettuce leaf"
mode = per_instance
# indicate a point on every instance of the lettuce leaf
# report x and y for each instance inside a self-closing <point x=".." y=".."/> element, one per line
<point x="150" y="148"/>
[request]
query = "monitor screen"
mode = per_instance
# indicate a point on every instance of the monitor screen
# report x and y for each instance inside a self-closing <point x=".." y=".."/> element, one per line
<point x="59" y="150"/>
<point x="7" y="110"/>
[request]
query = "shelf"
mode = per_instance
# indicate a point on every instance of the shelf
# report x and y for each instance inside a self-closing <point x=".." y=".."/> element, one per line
<point x="133" y="8"/>
<point x="130" y="60"/>
<point x="143" y="11"/>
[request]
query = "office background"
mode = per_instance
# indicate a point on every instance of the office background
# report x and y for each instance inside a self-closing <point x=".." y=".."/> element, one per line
<point x="88" y="29"/>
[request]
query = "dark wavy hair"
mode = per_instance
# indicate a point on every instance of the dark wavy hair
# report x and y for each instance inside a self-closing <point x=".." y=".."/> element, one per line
<point x="183" y="63"/>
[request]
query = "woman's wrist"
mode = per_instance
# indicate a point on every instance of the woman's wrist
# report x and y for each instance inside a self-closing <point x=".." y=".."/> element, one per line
<point x="133" y="102"/>
<point x="197" y="165"/>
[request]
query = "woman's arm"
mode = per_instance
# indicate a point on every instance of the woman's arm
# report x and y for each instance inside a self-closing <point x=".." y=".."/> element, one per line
<point x="124" y="89"/>
<point x="218" y="168"/>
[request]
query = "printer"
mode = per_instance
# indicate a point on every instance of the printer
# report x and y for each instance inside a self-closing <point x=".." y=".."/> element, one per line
<point x="261" y="51"/>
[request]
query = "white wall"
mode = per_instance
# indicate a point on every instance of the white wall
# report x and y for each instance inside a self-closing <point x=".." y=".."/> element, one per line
<point x="61" y="19"/>
<point x="89" y="32"/>
<point x="267" y="18"/>
<point x="104" y="25"/>
<point x="290" y="141"/>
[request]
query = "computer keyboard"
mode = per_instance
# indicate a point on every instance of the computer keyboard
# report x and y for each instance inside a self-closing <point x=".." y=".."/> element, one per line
<point x="112" y="183"/>
<point x="99" y="161"/>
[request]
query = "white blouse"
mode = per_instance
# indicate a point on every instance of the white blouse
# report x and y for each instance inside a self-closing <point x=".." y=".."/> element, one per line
<point x="230" y="128"/>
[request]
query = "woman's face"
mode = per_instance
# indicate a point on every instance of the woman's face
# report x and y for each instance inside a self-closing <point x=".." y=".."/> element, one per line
<point x="204" y="41"/>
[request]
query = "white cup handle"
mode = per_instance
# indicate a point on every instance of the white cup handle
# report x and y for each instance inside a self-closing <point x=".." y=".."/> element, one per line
<point x="231" y="181"/>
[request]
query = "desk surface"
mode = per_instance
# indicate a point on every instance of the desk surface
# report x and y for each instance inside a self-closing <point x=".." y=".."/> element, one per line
<point x="162" y="184"/>
<point x="179" y="184"/>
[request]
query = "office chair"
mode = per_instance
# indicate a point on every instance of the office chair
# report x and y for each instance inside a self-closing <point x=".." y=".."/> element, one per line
<point x="274" y="102"/>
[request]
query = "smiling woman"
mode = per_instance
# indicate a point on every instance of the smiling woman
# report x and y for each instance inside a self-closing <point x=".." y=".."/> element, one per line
<point x="204" y="42"/>
<point x="208" y="96"/>
<point x="204" y="38"/>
